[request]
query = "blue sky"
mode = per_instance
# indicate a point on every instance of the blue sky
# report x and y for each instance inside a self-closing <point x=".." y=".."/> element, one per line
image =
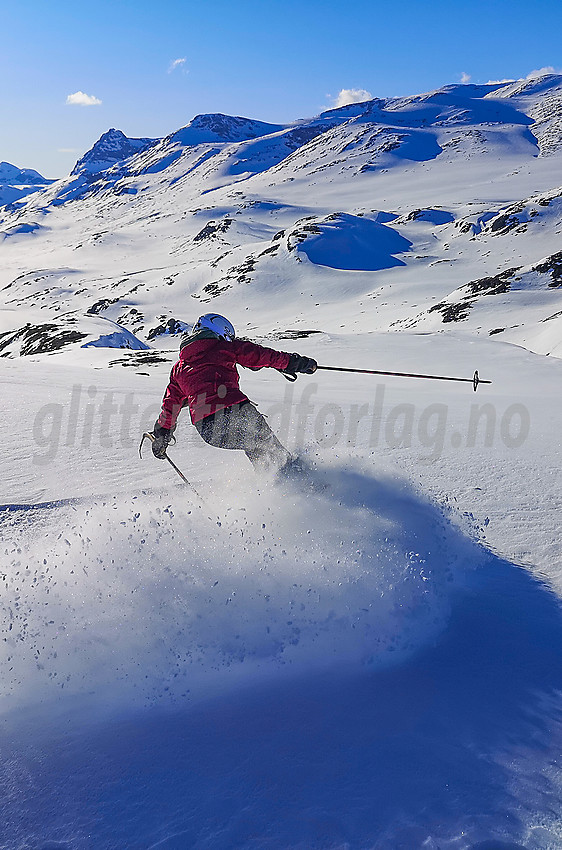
<point x="267" y="59"/>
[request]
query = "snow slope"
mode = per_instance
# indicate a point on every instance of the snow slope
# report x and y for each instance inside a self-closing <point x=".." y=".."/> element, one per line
<point x="373" y="665"/>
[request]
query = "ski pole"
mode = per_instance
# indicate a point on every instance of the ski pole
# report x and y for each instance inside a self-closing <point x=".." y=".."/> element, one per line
<point x="151" y="437"/>
<point x="475" y="380"/>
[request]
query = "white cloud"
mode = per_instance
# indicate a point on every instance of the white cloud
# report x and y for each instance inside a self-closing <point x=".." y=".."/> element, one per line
<point x="177" y="63"/>
<point x="79" y="98"/>
<point x="541" y="72"/>
<point x="465" y="78"/>
<point x="347" y="96"/>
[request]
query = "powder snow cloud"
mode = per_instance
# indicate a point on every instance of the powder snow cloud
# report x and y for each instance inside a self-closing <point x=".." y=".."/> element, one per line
<point x="347" y="96"/>
<point x="80" y="98"/>
<point x="465" y="78"/>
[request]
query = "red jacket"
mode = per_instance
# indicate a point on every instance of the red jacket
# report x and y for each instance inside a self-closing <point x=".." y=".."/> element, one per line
<point x="205" y="377"/>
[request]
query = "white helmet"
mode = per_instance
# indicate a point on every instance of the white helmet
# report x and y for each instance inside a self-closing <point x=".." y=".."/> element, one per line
<point x="218" y="324"/>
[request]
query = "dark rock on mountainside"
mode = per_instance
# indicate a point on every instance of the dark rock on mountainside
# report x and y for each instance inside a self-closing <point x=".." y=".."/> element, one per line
<point x="553" y="266"/>
<point x="546" y="274"/>
<point x="457" y="311"/>
<point x="38" y="339"/>
<point x="452" y="311"/>
<point x="100" y="306"/>
<point x="213" y="228"/>
<point x="495" y="285"/>
<point x="170" y="327"/>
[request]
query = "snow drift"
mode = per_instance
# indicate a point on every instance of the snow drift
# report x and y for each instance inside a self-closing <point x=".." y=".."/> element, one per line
<point x="343" y="241"/>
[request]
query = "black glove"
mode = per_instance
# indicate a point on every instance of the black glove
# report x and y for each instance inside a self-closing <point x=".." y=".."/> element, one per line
<point x="162" y="439"/>
<point x="298" y="363"/>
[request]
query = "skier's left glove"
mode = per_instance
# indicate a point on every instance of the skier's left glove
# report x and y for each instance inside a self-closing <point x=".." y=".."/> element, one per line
<point x="298" y="363"/>
<point x="162" y="439"/>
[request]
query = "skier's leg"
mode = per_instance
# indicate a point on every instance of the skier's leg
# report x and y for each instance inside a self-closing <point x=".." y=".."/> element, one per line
<point x="265" y="451"/>
<point x="260" y="444"/>
<point x="243" y="427"/>
<point x="221" y="429"/>
<point x="213" y="430"/>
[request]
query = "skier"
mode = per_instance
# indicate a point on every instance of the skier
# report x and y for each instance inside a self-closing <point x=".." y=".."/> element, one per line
<point x="205" y="378"/>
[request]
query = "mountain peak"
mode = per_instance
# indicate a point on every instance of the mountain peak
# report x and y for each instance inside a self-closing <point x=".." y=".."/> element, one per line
<point x="216" y="127"/>
<point x="542" y="84"/>
<point x="23" y="176"/>
<point x="353" y="110"/>
<point x="112" y="146"/>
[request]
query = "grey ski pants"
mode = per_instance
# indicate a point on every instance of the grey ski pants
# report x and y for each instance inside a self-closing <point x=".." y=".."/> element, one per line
<point x="243" y="427"/>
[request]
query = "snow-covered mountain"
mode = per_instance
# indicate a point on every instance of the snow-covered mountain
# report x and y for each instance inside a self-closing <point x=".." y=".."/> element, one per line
<point x="25" y="176"/>
<point x="227" y="202"/>
<point x="221" y="128"/>
<point x="112" y="147"/>
<point x="16" y="183"/>
<point x="376" y="664"/>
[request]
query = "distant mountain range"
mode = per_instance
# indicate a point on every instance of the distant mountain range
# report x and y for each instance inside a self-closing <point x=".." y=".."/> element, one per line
<point x="412" y="203"/>
<point x="16" y="183"/>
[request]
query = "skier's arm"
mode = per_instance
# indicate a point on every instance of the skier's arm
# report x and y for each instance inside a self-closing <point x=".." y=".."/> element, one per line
<point x="257" y="356"/>
<point x="163" y="430"/>
<point x="172" y="403"/>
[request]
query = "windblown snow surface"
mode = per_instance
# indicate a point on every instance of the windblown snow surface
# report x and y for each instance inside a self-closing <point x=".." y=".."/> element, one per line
<point x="367" y="659"/>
